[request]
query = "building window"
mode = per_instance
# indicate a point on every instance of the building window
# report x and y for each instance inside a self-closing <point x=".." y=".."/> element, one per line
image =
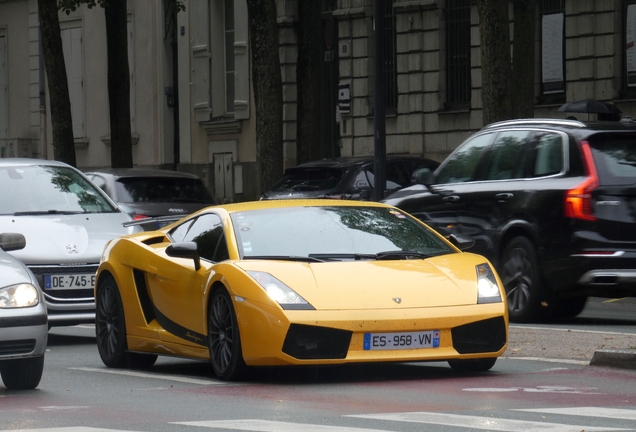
<point x="552" y="46"/>
<point x="221" y="61"/>
<point x="458" y="86"/>
<point x="390" y="57"/>
<point x="229" y="56"/>
<point x="629" y="56"/>
<point x="71" y="32"/>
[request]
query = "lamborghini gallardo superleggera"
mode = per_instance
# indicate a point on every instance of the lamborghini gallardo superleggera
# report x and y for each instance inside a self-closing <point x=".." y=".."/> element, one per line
<point x="298" y="282"/>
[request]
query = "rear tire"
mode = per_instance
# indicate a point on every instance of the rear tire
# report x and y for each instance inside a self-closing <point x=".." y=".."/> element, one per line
<point x="478" y="365"/>
<point x="224" y="340"/>
<point x="520" y="276"/>
<point x="110" y="330"/>
<point x="22" y="374"/>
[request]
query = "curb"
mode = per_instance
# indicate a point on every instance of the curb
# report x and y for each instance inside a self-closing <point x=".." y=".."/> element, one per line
<point x="625" y="359"/>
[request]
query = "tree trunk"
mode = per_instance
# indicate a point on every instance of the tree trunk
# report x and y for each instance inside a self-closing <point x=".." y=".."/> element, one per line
<point x="309" y="24"/>
<point x="495" y="60"/>
<point x="118" y="84"/>
<point x="268" y="92"/>
<point x="61" y="119"/>
<point x="523" y="58"/>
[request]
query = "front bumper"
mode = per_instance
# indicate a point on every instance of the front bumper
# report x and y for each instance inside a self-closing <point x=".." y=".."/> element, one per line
<point x="23" y="332"/>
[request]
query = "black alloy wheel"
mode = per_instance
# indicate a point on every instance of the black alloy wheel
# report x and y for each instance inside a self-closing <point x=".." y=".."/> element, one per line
<point x="477" y="365"/>
<point x="223" y="338"/>
<point x="520" y="276"/>
<point x="110" y="330"/>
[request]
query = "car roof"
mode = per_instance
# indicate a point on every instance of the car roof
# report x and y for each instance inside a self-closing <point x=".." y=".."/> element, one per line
<point x="8" y="162"/>
<point x="140" y="172"/>
<point x="575" y="126"/>
<point x="349" y="161"/>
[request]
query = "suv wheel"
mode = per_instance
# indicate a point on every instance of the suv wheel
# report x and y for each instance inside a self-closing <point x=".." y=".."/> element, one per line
<point x="520" y="276"/>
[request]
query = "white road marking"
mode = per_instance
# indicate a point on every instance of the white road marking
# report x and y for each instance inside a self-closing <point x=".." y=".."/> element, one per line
<point x="273" y="426"/>
<point x="487" y="423"/>
<point x="573" y="330"/>
<point x="154" y="376"/>
<point x="538" y="389"/>
<point x="71" y="429"/>
<point x="613" y="413"/>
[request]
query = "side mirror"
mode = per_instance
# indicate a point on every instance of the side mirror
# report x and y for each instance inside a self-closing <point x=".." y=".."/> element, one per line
<point x="462" y="241"/>
<point x="423" y="176"/>
<point x="12" y="241"/>
<point x="185" y="250"/>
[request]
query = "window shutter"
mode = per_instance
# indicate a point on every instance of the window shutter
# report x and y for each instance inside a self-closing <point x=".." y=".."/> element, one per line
<point x="200" y="14"/>
<point x="72" y="48"/>
<point x="241" y="61"/>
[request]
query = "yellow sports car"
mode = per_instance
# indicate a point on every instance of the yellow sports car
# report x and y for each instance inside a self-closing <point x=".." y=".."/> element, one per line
<point x="298" y="282"/>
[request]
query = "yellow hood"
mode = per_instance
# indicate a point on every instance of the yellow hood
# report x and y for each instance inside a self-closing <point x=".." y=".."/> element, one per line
<point x="449" y="280"/>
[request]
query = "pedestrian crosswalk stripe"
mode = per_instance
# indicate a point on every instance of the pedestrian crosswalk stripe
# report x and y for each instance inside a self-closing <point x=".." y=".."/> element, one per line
<point x="273" y="426"/>
<point x="614" y="413"/>
<point x="487" y="423"/>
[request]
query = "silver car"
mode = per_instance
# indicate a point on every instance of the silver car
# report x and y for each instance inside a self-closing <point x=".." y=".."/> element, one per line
<point x="67" y="221"/>
<point x="23" y="321"/>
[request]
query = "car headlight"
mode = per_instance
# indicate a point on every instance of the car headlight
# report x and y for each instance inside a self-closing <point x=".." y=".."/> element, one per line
<point x="286" y="297"/>
<point x="19" y="296"/>
<point x="487" y="288"/>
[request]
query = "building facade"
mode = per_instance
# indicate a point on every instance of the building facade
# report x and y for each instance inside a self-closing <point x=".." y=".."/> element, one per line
<point x="192" y="103"/>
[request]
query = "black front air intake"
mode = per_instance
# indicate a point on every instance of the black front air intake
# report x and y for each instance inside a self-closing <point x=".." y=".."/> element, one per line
<point x="312" y="343"/>
<point x="480" y="337"/>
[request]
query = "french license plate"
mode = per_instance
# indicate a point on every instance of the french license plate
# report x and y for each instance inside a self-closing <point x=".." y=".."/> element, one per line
<point x="76" y="281"/>
<point x="402" y="340"/>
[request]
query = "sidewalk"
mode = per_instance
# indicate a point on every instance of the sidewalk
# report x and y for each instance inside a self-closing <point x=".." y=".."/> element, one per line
<point x="596" y="348"/>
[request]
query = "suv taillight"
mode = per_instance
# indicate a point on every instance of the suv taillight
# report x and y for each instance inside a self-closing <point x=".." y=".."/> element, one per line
<point x="578" y="201"/>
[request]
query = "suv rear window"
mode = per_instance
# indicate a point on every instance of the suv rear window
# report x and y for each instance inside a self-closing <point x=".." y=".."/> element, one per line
<point x="309" y="179"/>
<point x="162" y="189"/>
<point x="615" y="158"/>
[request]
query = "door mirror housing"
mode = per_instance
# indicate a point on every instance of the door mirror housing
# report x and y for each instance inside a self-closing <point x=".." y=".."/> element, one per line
<point x="12" y="241"/>
<point x="185" y="250"/>
<point x="462" y="241"/>
<point x="423" y="176"/>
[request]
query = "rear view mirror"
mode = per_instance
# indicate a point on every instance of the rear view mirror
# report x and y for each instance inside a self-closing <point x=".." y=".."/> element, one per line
<point x="185" y="250"/>
<point x="12" y="241"/>
<point x="462" y="241"/>
<point x="423" y="176"/>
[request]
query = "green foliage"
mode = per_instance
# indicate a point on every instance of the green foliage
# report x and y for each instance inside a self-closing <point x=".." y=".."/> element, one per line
<point x="69" y="6"/>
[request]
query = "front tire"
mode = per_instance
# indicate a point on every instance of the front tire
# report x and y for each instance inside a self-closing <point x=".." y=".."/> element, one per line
<point x="110" y="330"/>
<point x="22" y="374"/>
<point x="520" y="276"/>
<point x="478" y="365"/>
<point x="224" y="339"/>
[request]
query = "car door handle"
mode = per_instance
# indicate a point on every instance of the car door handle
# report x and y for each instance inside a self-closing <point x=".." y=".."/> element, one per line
<point x="504" y="196"/>
<point x="451" y="198"/>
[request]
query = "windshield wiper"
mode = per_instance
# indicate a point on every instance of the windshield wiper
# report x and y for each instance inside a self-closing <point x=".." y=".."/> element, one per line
<point x="283" y="258"/>
<point x="401" y="254"/>
<point x="46" y="212"/>
<point x="343" y="256"/>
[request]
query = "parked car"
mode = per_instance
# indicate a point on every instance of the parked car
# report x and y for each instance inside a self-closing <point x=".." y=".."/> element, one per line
<point x="297" y="282"/>
<point x="66" y="221"/>
<point x="23" y="320"/>
<point x="345" y="178"/>
<point x="147" y="193"/>
<point x="550" y="202"/>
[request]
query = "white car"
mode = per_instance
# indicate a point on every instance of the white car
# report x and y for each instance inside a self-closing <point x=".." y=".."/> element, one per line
<point x="23" y="320"/>
<point x="67" y="221"/>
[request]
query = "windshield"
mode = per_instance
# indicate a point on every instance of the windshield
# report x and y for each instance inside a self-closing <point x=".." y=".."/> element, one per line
<point x="309" y="179"/>
<point x="162" y="190"/>
<point x="35" y="190"/>
<point x="333" y="233"/>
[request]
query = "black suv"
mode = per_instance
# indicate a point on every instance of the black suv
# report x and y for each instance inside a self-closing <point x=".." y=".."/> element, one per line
<point x="552" y="203"/>
<point x="345" y="177"/>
